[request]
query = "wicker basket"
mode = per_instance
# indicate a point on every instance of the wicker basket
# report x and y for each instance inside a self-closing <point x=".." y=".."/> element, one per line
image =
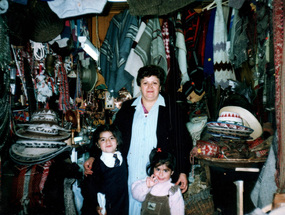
<point x="200" y="203"/>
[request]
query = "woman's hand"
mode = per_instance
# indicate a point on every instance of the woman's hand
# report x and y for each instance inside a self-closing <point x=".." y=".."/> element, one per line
<point x="88" y="166"/>
<point x="151" y="181"/>
<point x="182" y="180"/>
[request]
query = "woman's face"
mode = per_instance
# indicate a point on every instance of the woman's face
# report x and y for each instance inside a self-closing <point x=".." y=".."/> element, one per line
<point x="162" y="173"/>
<point x="107" y="142"/>
<point x="150" y="87"/>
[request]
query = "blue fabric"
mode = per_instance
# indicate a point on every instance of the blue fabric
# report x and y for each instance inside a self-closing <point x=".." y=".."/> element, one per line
<point x="115" y="50"/>
<point x="142" y="142"/>
<point x="208" y="60"/>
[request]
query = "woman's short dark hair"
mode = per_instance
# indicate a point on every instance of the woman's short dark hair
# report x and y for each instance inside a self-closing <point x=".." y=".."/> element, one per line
<point x="111" y="128"/>
<point x="151" y="70"/>
<point x="158" y="157"/>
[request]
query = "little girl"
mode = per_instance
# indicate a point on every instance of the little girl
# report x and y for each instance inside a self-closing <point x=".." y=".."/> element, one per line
<point x="157" y="194"/>
<point x="109" y="175"/>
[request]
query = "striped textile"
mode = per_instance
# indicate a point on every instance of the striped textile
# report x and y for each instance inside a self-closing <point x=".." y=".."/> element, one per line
<point x="222" y="66"/>
<point x="151" y="47"/>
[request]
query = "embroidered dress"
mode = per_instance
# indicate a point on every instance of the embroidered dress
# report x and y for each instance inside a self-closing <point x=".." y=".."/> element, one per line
<point x="143" y="141"/>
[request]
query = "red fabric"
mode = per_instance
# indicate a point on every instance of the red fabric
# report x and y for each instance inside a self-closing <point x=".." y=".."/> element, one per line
<point x="191" y="31"/>
<point x="202" y="39"/>
<point x="278" y="30"/>
<point x="165" y="37"/>
<point x="24" y="188"/>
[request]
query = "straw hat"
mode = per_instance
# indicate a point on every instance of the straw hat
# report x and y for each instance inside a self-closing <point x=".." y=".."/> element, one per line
<point x="248" y="118"/>
<point x="43" y="126"/>
<point x="33" y="152"/>
<point x="40" y="140"/>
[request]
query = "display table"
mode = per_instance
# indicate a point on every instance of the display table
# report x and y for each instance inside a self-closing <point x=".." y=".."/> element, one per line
<point x="239" y="165"/>
<point x="223" y="174"/>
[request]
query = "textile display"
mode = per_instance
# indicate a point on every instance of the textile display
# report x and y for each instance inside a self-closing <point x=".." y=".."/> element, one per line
<point x="222" y="66"/>
<point x="134" y="62"/>
<point x="151" y="47"/>
<point x="278" y="30"/>
<point x="239" y="40"/>
<point x="23" y="188"/>
<point x="174" y="76"/>
<point x="181" y="46"/>
<point x="208" y="59"/>
<point x="115" y="50"/>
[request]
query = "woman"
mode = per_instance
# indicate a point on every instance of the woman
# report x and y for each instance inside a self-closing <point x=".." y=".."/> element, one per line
<point x="150" y="121"/>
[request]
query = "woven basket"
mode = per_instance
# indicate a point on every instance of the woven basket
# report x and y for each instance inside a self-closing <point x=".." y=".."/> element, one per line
<point x="200" y="203"/>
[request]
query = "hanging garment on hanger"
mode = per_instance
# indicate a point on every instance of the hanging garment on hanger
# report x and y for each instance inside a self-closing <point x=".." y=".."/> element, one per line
<point x="208" y="59"/>
<point x="151" y="47"/>
<point x="192" y="32"/>
<point x="134" y="62"/>
<point x="222" y="66"/>
<point x="173" y="79"/>
<point x="239" y="40"/>
<point x="213" y="5"/>
<point x="166" y="42"/>
<point x="181" y="49"/>
<point x="115" y="50"/>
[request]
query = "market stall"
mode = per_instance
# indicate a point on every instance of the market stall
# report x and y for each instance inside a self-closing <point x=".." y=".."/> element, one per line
<point x="68" y="68"/>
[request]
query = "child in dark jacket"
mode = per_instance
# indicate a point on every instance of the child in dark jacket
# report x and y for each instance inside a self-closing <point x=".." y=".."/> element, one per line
<point x="109" y="175"/>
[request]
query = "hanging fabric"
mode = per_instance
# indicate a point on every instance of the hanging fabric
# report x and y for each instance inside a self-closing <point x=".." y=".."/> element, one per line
<point x="181" y="49"/>
<point x="192" y="32"/>
<point x="278" y="30"/>
<point x="173" y="79"/>
<point x="222" y="66"/>
<point x="208" y="59"/>
<point x="64" y="99"/>
<point x="134" y="62"/>
<point x="115" y="50"/>
<point x="151" y="47"/>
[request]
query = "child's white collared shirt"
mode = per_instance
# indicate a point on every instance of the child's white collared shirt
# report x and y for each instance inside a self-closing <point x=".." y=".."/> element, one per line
<point x="109" y="160"/>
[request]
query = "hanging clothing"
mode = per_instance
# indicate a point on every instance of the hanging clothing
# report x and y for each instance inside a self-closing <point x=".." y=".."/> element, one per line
<point x="134" y="62"/>
<point x="239" y="40"/>
<point x="173" y="79"/>
<point x="208" y="59"/>
<point x="151" y="47"/>
<point x="222" y="66"/>
<point x="192" y="33"/>
<point x="205" y="19"/>
<point x="181" y="49"/>
<point x="115" y="50"/>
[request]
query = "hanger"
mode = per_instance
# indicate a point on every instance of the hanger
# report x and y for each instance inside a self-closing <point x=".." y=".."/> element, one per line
<point x="213" y="4"/>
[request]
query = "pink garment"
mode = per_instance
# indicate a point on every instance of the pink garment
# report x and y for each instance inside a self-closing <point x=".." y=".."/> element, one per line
<point x="176" y="201"/>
